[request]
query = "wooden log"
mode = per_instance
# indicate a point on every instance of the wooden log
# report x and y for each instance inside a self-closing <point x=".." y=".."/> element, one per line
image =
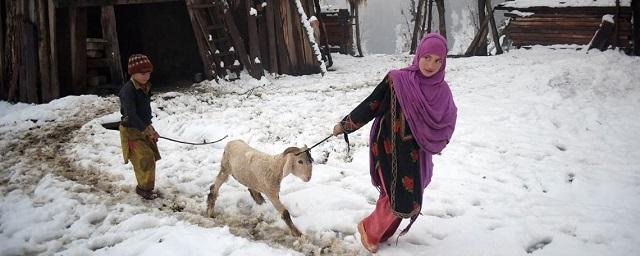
<point x="110" y="33"/>
<point x="237" y="40"/>
<point x="494" y="28"/>
<point x="44" y="49"/>
<point x="416" y="27"/>
<point x="476" y="48"/>
<point x="201" y="42"/>
<point x="441" y="17"/>
<point x="358" y="41"/>
<point x="635" y="4"/>
<point x="28" y="81"/>
<point x="273" y="53"/>
<point x="90" y="3"/>
<point x="53" y="56"/>
<point x="254" y="45"/>
<point x="323" y="32"/>
<point x="429" y="15"/>
<point x="481" y="49"/>
<point x="3" y="95"/>
<point x="281" y="38"/>
<point x="14" y="43"/>
<point x="78" y="29"/>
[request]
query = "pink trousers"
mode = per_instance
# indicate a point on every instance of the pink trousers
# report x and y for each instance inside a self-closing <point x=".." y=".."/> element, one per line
<point x="381" y="224"/>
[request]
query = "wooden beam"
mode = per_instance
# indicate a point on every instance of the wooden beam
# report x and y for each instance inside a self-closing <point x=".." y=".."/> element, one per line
<point x="44" y="49"/>
<point x="494" y="28"/>
<point x="323" y="32"/>
<point x="254" y="46"/>
<point x="3" y="95"/>
<point x="28" y="83"/>
<point x="78" y="29"/>
<point x="481" y="49"/>
<point x="356" y="15"/>
<point x="110" y="33"/>
<point x="53" y="55"/>
<point x="201" y="42"/>
<point x="90" y="3"/>
<point x="14" y="45"/>
<point x="429" y="15"/>
<point x="416" y="27"/>
<point x="635" y="4"/>
<point x="284" y="61"/>
<point x="441" y="18"/>
<point x="273" y="52"/>
<point x="238" y="42"/>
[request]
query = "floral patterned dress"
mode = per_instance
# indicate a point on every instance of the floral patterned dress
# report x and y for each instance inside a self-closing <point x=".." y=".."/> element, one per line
<point x="393" y="150"/>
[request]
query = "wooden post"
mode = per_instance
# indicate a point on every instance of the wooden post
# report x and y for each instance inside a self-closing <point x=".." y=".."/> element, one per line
<point x="273" y="52"/>
<point x="416" y="27"/>
<point x="429" y="15"/>
<point x="281" y="37"/>
<point x="441" y="18"/>
<point x="78" y="28"/>
<point x="110" y="33"/>
<point x="617" y="28"/>
<point x="44" y="49"/>
<point x="200" y="41"/>
<point x="53" y="54"/>
<point x="356" y="15"/>
<point x="494" y="29"/>
<point x="254" y="47"/>
<point x="635" y="6"/>
<point x="476" y="48"/>
<point x="323" y="32"/>
<point x="481" y="49"/>
<point x="14" y="43"/>
<point x="237" y="40"/>
<point x="2" y="73"/>
<point x="28" y="83"/>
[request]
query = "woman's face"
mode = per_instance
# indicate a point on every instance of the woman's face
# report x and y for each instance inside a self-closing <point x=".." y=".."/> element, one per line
<point x="430" y="64"/>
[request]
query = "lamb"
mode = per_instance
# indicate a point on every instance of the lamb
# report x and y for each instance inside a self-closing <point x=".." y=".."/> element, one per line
<point x="261" y="173"/>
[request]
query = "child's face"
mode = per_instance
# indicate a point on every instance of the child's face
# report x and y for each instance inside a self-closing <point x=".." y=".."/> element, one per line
<point x="430" y="64"/>
<point x="142" y="78"/>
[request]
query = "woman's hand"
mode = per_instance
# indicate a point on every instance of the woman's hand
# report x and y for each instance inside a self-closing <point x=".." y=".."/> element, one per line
<point x="337" y="130"/>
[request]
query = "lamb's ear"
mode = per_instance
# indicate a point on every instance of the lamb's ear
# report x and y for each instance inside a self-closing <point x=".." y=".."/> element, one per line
<point x="290" y="150"/>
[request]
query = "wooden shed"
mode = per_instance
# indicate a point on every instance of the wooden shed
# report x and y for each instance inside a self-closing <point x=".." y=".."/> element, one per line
<point x="565" y="22"/>
<point x="339" y="26"/>
<point x="54" y="48"/>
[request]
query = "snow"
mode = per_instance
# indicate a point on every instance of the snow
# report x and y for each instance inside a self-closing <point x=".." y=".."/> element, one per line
<point x="253" y="11"/>
<point x="544" y="161"/>
<point x="563" y="3"/>
<point x="256" y="60"/>
<point x="608" y="18"/>
<point x="521" y="14"/>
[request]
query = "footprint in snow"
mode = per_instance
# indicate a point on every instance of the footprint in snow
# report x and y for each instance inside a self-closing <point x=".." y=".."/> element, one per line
<point x="538" y="244"/>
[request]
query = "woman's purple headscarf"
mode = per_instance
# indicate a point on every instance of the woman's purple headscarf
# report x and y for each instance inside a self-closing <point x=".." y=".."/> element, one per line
<point x="427" y="103"/>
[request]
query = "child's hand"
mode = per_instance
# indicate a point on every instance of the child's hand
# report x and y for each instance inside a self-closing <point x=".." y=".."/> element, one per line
<point x="337" y="130"/>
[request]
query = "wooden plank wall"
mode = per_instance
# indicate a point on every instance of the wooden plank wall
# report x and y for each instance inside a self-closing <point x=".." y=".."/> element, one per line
<point x="563" y="26"/>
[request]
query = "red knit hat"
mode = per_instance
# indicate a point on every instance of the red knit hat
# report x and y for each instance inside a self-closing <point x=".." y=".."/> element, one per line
<point x="139" y="63"/>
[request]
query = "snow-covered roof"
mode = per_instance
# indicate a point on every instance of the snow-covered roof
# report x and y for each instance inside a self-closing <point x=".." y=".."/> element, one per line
<point x="563" y="3"/>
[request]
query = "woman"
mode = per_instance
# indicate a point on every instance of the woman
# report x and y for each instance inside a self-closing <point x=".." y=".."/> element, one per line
<point x="415" y="116"/>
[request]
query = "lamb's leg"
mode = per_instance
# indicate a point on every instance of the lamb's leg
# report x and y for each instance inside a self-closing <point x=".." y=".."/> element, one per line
<point x="213" y="191"/>
<point x="275" y="200"/>
<point x="256" y="196"/>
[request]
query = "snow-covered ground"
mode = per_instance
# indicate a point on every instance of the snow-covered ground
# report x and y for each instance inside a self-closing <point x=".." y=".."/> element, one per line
<point x="545" y="160"/>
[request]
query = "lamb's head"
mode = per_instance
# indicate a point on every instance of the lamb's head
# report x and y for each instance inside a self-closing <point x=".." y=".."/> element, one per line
<point x="298" y="162"/>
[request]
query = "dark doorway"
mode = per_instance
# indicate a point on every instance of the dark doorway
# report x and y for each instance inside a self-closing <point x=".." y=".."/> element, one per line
<point x="163" y="32"/>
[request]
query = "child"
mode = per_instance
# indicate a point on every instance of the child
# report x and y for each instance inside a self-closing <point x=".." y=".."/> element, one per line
<point x="414" y="118"/>
<point x="137" y="136"/>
